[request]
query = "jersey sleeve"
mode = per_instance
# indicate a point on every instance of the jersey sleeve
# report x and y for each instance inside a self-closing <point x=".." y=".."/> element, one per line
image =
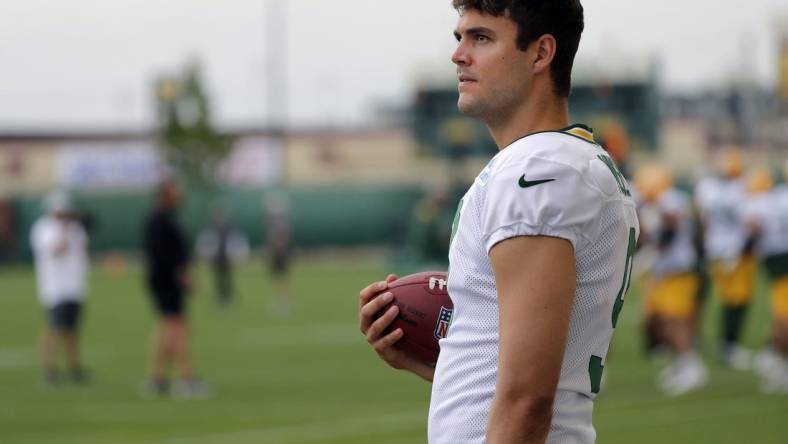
<point x="541" y="197"/>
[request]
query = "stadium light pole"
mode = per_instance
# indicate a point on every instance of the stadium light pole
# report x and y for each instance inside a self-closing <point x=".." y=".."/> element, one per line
<point x="276" y="73"/>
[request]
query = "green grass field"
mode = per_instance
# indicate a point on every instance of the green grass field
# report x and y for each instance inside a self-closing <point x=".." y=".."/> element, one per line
<point x="310" y="378"/>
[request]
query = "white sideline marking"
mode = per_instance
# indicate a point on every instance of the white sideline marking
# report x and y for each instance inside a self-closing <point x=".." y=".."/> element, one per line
<point x="315" y="431"/>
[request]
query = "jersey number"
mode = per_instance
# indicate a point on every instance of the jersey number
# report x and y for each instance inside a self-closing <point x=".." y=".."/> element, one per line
<point x="595" y="367"/>
<point x="622" y="183"/>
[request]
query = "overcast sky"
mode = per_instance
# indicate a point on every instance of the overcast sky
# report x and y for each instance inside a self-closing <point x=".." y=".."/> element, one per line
<point x="85" y="64"/>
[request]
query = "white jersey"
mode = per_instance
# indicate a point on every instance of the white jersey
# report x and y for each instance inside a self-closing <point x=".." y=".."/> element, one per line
<point x="769" y="211"/>
<point x="61" y="275"/>
<point x="719" y="202"/>
<point x="679" y="255"/>
<point x="551" y="184"/>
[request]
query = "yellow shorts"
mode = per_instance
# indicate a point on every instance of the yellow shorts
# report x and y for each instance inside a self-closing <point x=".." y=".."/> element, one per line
<point x="735" y="284"/>
<point x="780" y="298"/>
<point x="673" y="296"/>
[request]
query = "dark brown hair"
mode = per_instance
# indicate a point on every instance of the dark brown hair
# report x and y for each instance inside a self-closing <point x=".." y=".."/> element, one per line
<point x="563" y="19"/>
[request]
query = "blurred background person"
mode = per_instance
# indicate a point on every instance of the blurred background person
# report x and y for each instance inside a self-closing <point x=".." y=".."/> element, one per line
<point x="167" y="259"/>
<point x="60" y="249"/>
<point x="719" y="199"/>
<point x="671" y="292"/>
<point x="431" y="226"/>
<point x="702" y="271"/>
<point x="766" y="216"/>
<point x="645" y="256"/>
<point x="223" y="245"/>
<point x="279" y="231"/>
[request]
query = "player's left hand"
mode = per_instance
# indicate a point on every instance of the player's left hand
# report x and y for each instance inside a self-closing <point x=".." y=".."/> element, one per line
<point x="373" y="325"/>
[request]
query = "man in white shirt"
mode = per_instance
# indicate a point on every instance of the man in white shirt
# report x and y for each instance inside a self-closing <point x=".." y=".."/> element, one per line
<point x="542" y="246"/>
<point x="59" y="244"/>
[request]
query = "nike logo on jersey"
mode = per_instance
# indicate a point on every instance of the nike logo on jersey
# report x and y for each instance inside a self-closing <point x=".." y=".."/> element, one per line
<point x="530" y="183"/>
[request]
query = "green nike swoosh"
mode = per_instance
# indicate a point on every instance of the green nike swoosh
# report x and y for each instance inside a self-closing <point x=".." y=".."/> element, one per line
<point x="530" y="183"/>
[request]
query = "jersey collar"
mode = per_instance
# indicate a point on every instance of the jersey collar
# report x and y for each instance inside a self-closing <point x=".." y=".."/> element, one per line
<point x="582" y="132"/>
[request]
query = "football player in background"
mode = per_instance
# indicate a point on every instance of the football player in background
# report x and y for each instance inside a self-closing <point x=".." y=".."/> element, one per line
<point x="733" y="266"/>
<point x="645" y="256"/>
<point x="60" y="251"/>
<point x="223" y="245"/>
<point x="668" y="228"/>
<point x="279" y="233"/>
<point x="541" y="253"/>
<point x="766" y="215"/>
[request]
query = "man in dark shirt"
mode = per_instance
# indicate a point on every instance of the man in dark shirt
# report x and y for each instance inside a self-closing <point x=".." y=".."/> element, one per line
<point x="167" y="257"/>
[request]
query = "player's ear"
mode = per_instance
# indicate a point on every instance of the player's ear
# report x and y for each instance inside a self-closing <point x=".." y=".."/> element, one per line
<point x="545" y="47"/>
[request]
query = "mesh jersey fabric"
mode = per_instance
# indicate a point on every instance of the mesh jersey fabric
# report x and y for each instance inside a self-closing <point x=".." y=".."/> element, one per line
<point x="585" y="203"/>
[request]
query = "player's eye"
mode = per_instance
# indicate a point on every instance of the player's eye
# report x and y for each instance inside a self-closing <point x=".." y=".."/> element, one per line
<point x="481" y="38"/>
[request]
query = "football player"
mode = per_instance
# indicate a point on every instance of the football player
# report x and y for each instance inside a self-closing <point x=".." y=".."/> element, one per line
<point x="541" y="251"/>
<point x="671" y="303"/>
<point x="766" y="215"/>
<point x="732" y="264"/>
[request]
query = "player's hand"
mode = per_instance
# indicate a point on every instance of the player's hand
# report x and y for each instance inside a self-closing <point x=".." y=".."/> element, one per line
<point x="373" y="325"/>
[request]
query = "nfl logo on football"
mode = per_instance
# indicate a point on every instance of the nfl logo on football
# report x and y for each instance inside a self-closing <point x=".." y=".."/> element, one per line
<point x="442" y="327"/>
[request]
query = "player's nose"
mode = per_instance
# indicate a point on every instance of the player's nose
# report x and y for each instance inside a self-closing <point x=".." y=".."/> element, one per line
<point x="460" y="56"/>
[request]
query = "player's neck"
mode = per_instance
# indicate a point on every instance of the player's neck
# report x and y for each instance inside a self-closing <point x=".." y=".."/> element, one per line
<point x="544" y="113"/>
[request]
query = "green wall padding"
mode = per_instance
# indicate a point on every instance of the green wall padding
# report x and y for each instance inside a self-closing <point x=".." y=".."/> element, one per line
<point x="338" y="215"/>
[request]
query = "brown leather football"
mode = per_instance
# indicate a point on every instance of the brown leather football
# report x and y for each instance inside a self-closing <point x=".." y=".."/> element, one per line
<point x="425" y="311"/>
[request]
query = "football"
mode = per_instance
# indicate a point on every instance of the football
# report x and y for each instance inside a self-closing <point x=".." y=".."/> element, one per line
<point x="425" y="311"/>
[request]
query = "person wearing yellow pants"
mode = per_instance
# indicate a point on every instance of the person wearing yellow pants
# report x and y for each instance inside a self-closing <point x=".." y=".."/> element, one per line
<point x="779" y="308"/>
<point x="767" y="220"/>
<point x="719" y="199"/>
<point x="671" y="299"/>
<point x="668" y="228"/>
<point x="735" y="283"/>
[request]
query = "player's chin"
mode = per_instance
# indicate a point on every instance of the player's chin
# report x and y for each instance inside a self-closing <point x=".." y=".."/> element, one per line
<point x="469" y="106"/>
